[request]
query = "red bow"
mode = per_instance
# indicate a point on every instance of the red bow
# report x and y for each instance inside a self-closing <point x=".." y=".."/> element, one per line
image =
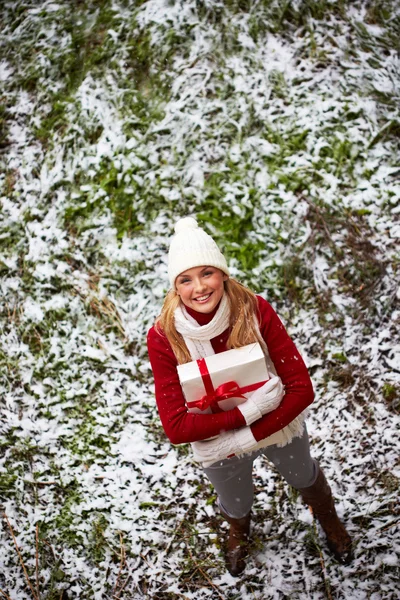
<point x="224" y="391"/>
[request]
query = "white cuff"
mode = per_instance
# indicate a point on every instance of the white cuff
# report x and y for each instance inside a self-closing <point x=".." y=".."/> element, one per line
<point x="250" y="411"/>
<point x="244" y="439"/>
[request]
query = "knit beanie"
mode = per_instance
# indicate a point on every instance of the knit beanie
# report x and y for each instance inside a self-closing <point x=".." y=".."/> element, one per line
<point x="191" y="247"/>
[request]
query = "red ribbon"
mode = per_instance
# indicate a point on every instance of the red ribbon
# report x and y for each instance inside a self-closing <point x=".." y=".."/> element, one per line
<point x="224" y="391"/>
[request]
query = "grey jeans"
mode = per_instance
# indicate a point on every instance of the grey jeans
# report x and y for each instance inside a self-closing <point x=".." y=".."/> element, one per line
<point x="233" y="481"/>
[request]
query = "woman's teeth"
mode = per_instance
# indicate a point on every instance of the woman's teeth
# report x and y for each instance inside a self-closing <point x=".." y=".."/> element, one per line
<point x="203" y="298"/>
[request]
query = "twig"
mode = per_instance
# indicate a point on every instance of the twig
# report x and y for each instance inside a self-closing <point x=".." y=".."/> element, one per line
<point x="103" y="306"/>
<point x="123" y="586"/>
<point x="20" y="557"/>
<point x="5" y="595"/>
<point x="145" y="560"/>
<point x="128" y="578"/>
<point x="206" y="576"/>
<point x="326" y="582"/>
<point x="174" y="535"/>
<point x="321" y="558"/>
<point x="121" y="566"/>
<point x="33" y="482"/>
<point x="37" y="561"/>
<point x="389" y="526"/>
<point x="317" y="210"/>
<point x="51" y="548"/>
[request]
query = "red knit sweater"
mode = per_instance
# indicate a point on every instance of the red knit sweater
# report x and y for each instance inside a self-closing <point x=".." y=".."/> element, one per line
<point x="182" y="427"/>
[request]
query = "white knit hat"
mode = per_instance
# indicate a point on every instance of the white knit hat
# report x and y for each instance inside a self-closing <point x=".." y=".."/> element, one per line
<point x="191" y="247"/>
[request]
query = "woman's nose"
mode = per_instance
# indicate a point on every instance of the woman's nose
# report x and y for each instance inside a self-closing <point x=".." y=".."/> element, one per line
<point x="199" y="285"/>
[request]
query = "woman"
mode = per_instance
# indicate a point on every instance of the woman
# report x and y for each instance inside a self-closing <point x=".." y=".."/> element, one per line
<point x="208" y="312"/>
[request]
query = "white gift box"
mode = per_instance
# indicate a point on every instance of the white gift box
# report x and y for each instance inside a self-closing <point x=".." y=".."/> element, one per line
<point x="222" y="381"/>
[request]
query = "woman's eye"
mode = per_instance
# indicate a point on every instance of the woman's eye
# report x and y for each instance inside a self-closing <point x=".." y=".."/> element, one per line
<point x="208" y="273"/>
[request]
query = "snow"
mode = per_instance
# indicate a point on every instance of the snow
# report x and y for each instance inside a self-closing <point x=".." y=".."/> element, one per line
<point x="288" y="131"/>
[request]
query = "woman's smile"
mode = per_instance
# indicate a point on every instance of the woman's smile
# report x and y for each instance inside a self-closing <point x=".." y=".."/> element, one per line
<point x="203" y="299"/>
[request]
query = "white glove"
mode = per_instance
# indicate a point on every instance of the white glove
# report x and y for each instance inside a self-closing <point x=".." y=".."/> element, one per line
<point x="262" y="401"/>
<point x="226" y="444"/>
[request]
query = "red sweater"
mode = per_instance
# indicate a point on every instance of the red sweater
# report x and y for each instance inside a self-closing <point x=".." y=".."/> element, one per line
<point x="182" y="427"/>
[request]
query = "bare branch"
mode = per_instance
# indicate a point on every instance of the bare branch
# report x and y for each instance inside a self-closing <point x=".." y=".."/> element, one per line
<point x="20" y="558"/>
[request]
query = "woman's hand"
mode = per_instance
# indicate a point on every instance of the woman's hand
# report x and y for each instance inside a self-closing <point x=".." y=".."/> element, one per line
<point x="227" y="444"/>
<point x="264" y="400"/>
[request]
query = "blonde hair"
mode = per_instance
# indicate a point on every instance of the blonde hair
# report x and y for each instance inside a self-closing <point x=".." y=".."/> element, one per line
<point x="242" y="321"/>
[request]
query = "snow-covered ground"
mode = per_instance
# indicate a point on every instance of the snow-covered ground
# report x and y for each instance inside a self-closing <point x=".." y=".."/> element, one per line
<point x="276" y="123"/>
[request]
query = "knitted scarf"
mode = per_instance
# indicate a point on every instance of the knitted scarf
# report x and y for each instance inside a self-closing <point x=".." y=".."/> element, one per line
<point x="197" y="339"/>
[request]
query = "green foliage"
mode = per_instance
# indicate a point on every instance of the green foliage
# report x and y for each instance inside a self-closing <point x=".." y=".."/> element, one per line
<point x="56" y="121"/>
<point x="278" y="84"/>
<point x="87" y="444"/>
<point x="392" y="396"/>
<point x="97" y="539"/>
<point x="90" y="46"/>
<point x="7" y="482"/>
<point x="3" y="127"/>
<point x="389" y="391"/>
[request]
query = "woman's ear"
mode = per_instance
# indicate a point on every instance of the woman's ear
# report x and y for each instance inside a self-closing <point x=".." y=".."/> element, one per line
<point x="226" y="277"/>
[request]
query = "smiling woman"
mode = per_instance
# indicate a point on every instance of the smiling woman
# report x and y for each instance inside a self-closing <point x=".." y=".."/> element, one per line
<point x="201" y="288"/>
<point x="207" y="312"/>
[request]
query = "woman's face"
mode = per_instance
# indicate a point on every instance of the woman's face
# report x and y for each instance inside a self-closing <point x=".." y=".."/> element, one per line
<point x="201" y="288"/>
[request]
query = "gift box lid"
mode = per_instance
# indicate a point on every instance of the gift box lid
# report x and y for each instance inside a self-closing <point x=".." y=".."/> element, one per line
<point x="223" y="361"/>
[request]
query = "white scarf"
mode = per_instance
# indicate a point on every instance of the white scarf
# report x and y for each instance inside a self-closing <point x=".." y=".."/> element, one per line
<point x="197" y="339"/>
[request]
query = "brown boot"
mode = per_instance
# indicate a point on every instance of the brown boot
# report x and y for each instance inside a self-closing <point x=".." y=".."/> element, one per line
<point x="319" y="497"/>
<point x="238" y="544"/>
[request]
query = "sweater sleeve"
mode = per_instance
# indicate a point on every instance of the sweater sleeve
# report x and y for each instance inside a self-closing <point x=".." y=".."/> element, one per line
<point x="291" y="369"/>
<point x="180" y="425"/>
